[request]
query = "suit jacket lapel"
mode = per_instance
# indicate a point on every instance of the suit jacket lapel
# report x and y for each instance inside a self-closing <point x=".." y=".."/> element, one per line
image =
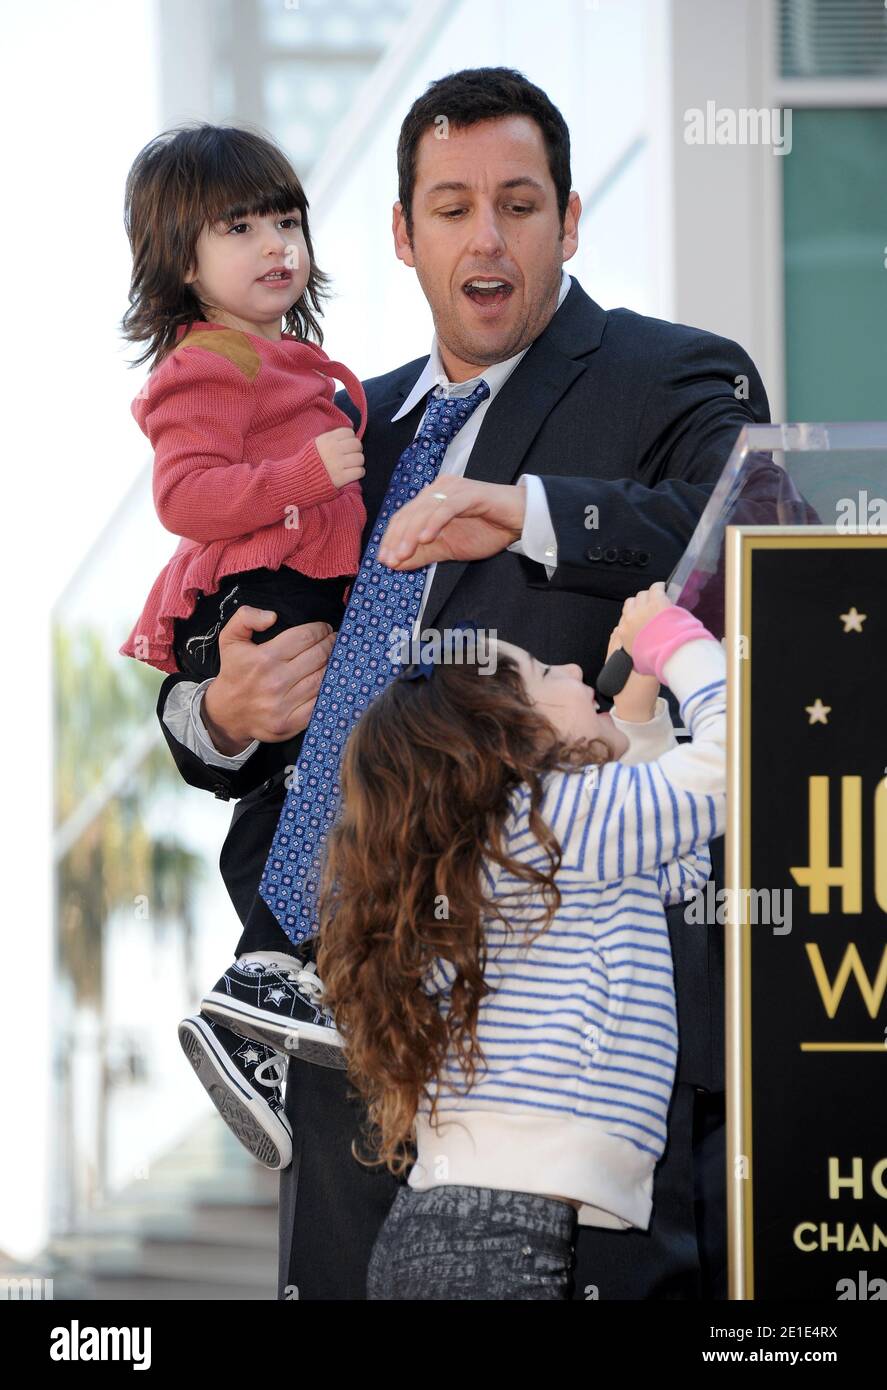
<point x="543" y="375"/>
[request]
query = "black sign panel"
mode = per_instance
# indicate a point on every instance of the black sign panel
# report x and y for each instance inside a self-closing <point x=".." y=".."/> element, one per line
<point x="807" y="893"/>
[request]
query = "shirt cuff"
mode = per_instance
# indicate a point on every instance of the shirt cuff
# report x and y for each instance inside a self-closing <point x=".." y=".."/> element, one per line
<point x="647" y="742"/>
<point x="538" y="541"/>
<point x="211" y="754"/>
<point x="181" y="715"/>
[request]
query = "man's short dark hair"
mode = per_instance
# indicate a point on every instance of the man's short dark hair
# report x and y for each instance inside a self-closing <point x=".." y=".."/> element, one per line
<point x="482" y="94"/>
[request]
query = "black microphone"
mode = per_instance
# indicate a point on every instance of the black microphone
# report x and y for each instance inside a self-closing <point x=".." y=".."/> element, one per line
<point x="617" y="668"/>
<point x="614" y="674"/>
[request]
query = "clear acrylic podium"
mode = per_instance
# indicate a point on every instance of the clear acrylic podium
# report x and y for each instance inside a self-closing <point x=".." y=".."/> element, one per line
<point x="833" y="476"/>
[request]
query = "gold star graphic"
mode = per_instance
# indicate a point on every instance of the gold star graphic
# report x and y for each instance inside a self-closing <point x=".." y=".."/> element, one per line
<point x="853" y="621"/>
<point x="818" y="712"/>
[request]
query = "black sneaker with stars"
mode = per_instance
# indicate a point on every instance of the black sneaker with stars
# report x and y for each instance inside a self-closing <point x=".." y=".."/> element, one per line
<point x="279" y="1004"/>
<point x="242" y="1079"/>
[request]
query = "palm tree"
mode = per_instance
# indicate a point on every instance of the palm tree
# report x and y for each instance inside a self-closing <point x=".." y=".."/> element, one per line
<point x="109" y="754"/>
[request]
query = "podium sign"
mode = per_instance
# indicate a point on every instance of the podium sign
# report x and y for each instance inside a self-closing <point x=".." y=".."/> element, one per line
<point x="806" y="913"/>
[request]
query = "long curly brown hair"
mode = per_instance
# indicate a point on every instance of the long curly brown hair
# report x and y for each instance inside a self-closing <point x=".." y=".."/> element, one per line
<point x="427" y="779"/>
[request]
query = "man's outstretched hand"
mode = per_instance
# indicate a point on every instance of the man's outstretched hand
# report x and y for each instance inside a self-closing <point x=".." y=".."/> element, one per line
<point x="477" y="520"/>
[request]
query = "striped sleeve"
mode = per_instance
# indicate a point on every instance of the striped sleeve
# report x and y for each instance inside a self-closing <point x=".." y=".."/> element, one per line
<point x="630" y="820"/>
<point x="680" y="879"/>
<point x="439" y="977"/>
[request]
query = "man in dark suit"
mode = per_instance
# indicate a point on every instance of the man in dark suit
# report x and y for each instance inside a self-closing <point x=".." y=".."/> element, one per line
<point x="618" y="426"/>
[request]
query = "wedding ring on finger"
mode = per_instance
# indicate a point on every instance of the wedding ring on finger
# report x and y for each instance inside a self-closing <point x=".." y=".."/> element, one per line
<point x="439" y="496"/>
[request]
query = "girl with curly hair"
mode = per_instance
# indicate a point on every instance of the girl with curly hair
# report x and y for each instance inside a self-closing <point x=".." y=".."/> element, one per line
<point x="495" y="951"/>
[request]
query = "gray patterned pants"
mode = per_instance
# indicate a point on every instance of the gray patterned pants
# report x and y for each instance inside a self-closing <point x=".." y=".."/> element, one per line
<point x="473" y="1243"/>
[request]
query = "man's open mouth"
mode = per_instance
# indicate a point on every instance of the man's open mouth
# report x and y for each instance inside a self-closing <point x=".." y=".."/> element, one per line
<point x="487" y="290"/>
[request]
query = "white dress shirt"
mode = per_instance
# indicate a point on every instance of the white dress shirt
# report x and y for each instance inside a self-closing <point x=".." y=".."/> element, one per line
<point x="538" y="542"/>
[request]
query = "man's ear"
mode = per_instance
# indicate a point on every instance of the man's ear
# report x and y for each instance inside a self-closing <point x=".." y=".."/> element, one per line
<point x="403" y="249"/>
<point x="570" y="239"/>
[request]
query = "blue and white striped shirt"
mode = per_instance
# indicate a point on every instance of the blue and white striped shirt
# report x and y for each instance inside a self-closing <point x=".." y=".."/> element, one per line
<point x="579" y="1033"/>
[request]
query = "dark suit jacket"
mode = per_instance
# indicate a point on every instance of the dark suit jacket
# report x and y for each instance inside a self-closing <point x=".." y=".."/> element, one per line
<point x="614" y="410"/>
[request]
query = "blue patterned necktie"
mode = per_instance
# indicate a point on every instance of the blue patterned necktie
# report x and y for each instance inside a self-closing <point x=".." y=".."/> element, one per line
<point x="358" y="670"/>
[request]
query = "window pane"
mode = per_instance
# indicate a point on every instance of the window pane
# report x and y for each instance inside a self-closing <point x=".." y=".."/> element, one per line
<point x="835" y="215"/>
<point x="334" y="24"/>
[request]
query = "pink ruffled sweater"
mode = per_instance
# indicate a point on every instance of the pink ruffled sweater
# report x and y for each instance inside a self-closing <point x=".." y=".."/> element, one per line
<point x="232" y="418"/>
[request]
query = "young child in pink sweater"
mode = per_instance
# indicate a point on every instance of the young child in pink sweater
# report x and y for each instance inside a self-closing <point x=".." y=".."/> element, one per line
<point x="255" y="468"/>
<point x="258" y="472"/>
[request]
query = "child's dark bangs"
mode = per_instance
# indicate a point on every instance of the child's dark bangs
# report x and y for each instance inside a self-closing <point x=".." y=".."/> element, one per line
<point x="246" y="184"/>
<point x="280" y="201"/>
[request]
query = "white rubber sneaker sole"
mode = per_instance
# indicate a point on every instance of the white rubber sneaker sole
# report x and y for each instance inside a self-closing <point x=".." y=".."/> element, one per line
<point x="308" y="1042"/>
<point x="246" y="1112"/>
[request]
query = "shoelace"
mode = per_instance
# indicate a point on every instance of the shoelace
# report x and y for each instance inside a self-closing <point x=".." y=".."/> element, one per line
<point x="306" y="980"/>
<point x="278" y="1060"/>
<point x="309" y="983"/>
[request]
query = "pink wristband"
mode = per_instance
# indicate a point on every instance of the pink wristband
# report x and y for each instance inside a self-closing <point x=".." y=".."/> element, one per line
<point x="662" y="636"/>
